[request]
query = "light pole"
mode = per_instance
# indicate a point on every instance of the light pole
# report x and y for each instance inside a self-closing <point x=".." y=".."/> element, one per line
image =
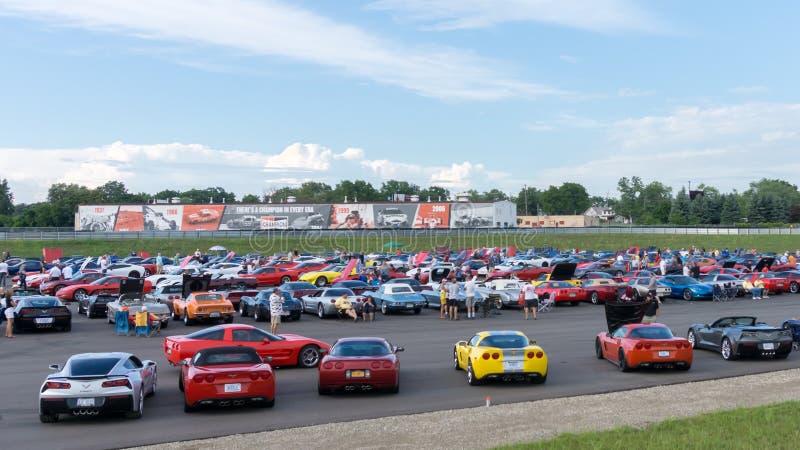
<point x="525" y="190"/>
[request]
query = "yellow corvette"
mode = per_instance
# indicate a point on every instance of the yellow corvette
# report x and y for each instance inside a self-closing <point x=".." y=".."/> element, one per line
<point x="500" y="355"/>
<point x="325" y="276"/>
<point x="560" y="272"/>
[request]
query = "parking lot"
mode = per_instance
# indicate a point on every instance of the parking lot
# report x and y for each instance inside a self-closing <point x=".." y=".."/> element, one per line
<point x="428" y="381"/>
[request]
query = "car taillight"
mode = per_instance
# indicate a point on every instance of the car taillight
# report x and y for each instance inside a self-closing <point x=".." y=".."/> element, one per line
<point x="339" y="365"/>
<point x="210" y="378"/>
<point x="531" y="355"/>
<point x="266" y="375"/>
<point x="485" y="356"/>
<point x="678" y="344"/>
<point x="375" y="365"/>
<point x="495" y="355"/>
<point x="197" y="378"/>
<point x="539" y="354"/>
<point x="25" y="311"/>
<point x="56" y="385"/>
<point x="328" y="365"/>
<point x="122" y="382"/>
<point x="647" y="345"/>
<point x="333" y="301"/>
<point x="387" y="365"/>
<point x="254" y="376"/>
<point x="639" y="346"/>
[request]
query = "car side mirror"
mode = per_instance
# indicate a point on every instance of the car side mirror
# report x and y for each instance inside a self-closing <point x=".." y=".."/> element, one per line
<point x="183" y="362"/>
<point x="148" y="363"/>
<point x="399" y="349"/>
<point x="55" y="367"/>
<point x="461" y="343"/>
<point x="268" y="359"/>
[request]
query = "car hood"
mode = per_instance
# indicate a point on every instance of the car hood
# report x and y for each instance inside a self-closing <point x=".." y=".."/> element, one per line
<point x="623" y="313"/>
<point x="195" y="283"/>
<point x="153" y="308"/>
<point x="563" y="271"/>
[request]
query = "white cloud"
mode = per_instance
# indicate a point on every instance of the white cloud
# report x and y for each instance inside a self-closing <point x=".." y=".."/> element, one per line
<point x="605" y="15"/>
<point x="749" y="90"/>
<point x="277" y="29"/>
<point x="312" y="157"/>
<point x="563" y="121"/>
<point x="633" y="92"/>
<point x="568" y="59"/>
<point x="457" y="175"/>
<point x="351" y="154"/>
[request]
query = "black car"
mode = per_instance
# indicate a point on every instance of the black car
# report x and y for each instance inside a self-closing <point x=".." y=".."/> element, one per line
<point x="258" y="306"/>
<point x="95" y="305"/>
<point x="741" y="336"/>
<point x="41" y="312"/>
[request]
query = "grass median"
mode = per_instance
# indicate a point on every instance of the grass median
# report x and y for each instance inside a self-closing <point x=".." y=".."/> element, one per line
<point x="772" y="426"/>
<point x="374" y="242"/>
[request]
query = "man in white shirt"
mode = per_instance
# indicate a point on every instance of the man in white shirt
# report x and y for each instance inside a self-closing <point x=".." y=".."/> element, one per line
<point x="3" y="273"/>
<point x="469" y="293"/>
<point x="663" y="266"/>
<point x="275" y="310"/>
<point x="104" y="264"/>
<point x="686" y="270"/>
<point x="452" y="299"/>
<point x="531" y="300"/>
<point x="67" y="272"/>
<point x="55" y="273"/>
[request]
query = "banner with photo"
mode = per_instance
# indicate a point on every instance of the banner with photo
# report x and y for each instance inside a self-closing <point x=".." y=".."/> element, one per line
<point x="471" y="215"/>
<point x="97" y="218"/>
<point x="129" y="218"/>
<point x="201" y="217"/>
<point x="432" y="215"/>
<point x="352" y="216"/>
<point x="275" y="217"/>
<point x="394" y="215"/>
<point x="162" y="217"/>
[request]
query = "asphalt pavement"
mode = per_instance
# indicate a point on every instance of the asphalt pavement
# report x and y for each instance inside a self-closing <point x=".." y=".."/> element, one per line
<point x="428" y="381"/>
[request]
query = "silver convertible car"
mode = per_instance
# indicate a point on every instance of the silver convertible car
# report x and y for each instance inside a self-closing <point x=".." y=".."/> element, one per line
<point x="94" y="383"/>
<point x="323" y="302"/>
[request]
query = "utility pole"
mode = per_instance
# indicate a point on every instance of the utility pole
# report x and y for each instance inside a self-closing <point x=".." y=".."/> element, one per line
<point x="525" y="189"/>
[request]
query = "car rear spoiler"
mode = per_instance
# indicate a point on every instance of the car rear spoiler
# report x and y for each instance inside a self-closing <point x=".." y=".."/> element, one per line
<point x="623" y="313"/>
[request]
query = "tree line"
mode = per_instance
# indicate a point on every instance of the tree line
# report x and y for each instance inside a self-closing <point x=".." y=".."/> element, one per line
<point x="764" y="202"/>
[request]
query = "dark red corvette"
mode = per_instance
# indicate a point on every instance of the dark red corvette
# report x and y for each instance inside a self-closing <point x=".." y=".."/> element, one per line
<point x="363" y="363"/>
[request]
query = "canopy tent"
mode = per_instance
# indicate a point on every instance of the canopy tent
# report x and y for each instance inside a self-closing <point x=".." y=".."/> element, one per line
<point x="218" y="248"/>
<point x="394" y="244"/>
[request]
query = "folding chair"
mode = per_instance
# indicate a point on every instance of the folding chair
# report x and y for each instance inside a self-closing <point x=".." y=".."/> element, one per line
<point x="718" y="294"/>
<point x="121" y="323"/>
<point x="545" y="303"/>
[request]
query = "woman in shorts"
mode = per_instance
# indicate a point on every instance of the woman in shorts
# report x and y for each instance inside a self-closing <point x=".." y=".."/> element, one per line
<point x="368" y="309"/>
<point x="9" y="313"/>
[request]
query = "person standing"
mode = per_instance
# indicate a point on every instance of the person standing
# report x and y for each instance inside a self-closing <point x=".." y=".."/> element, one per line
<point x="275" y="310"/>
<point x="651" y="310"/>
<point x="443" y="299"/>
<point x="652" y="287"/>
<point x="469" y="293"/>
<point x="452" y="300"/>
<point x="686" y="270"/>
<point x="3" y="273"/>
<point x="67" y="272"/>
<point x="531" y="301"/>
<point x="663" y="266"/>
<point x="9" y="313"/>
<point x="55" y="272"/>
<point x="368" y="309"/>
<point x="159" y="264"/>
<point x="104" y="264"/>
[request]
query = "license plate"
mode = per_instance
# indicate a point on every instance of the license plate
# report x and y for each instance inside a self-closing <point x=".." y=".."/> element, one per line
<point x="769" y="346"/>
<point x="234" y="387"/>
<point x="285" y="313"/>
<point x="780" y="284"/>
<point x="572" y="294"/>
<point x="512" y="365"/>
<point x="214" y="314"/>
<point x="409" y="305"/>
<point x="663" y="354"/>
<point x="44" y="320"/>
<point x="85" y="402"/>
<point x="357" y="374"/>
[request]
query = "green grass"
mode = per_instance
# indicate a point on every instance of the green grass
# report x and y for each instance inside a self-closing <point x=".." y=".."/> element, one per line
<point x="775" y="426"/>
<point x="376" y="240"/>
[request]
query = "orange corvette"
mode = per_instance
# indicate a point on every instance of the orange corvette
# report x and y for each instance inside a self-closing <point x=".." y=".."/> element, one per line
<point x="638" y="345"/>
<point x="208" y="306"/>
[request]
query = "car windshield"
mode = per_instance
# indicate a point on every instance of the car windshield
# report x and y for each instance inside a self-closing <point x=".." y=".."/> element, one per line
<point x="208" y="297"/>
<point x="682" y="280"/>
<point x="211" y="358"/>
<point x="297" y="286"/>
<point x="338" y="292"/>
<point x="651" y="333"/>
<point x="212" y="334"/>
<point x="400" y="290"/>
<point x="91" y="366"/>
<point x="505" y="341"/>
<point x="360" y="348"/>
<point x="40" y="302"/>
<point x="103" y="280"/>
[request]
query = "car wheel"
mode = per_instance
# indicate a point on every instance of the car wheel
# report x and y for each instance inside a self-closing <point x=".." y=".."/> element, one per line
<point x="598" y="349"/>
<point x="241" y="286"/>
<point x="147" y="273"/>
<point x="321" y="311"/>
<point x="619" y="274"/>
<point x="692" y="338"/>
<point x="133" y="274"/>
<point x="308" y="356"/>
<point x="186" y="320"/>
<point x="285" y="280"/>
<point x="79" y="294"/>
<point x="61" y="286"/>
<point x="187" y="408"/>
<point x="636" y="296"/>
<point x="48" y="418"/>
<point x="155" y="384"/>
<point x="417" y="310"/>
<point x="321" y="282"/>
<point x="727" y="350"/>
<point x="296" y="315"/>
<point x="180" y="381"/>
<point x="175" y="315"/>
<point x="257" y="315"/>
<point x="595" y="298"/>
<point x="138" y="413"/>
<point x="394" y="389"/>
<point x="538" y="380"/>
<point x="623" y="363"/>
<point x="471" y="379"/>
<point x="781" y="355"/>
<point x="384" y="309"/>
<point x="322" y="391"/>
<point x="269" y="403"/>
<point x="68" y="327"/>
<point x="229" y="319"/>
<point x="796" y="346"/>
<point x="455" y="360"/>
<point x="242" y="309"/>
<point x="687" y="295"/>
<point x="794" y="288"/>
<point x="165" y="324"/>
<point x="684" y="367"/>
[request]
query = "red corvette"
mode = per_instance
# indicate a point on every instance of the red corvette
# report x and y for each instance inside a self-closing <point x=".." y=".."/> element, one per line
<point x="638" y="345"/>
<point x="272" y="276"/>
<point x="362" y="363"/>
<point x="522" y="272"/>
<point x="600" y="290"/>
<point x="51" y="287"/>
<point x="635" y="274"/>
<point x="225" y="376"/>
<point x="285" y="349"/>
<point x="561" y="291"/>
<point x="109" y="285"/>
<point x="774" y="282"/>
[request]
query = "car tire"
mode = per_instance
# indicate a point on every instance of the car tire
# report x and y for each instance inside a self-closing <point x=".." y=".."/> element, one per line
<point x="165" y="324"/>
<point x="155" y="384"/>
<point x="61" y="286"/>
<point x="321" y="282"/>
<point x="623" y="362"/>
<point x="394" y="389"/>
<point x="455" y="360"/>
<point x="692" y="338"/>
<point x="133" y="274"/>
<point x="595" y="298"/>
<point x="575" y="303"/>
<point x="781" y="355"/>
<point x="684" y="367"/>
<point x="186" y="320"/>
<point x="67" y="328"/>
<point x="269" y="403"/>
<point x="229" y="319"/>
<point x="308" y="356"/>
<point x="598" y="349"/>
<point x="257" y="316"/>
<point x="296" y="316"/>
<point x="147" y="273"/>
<point x="687" y="295"/>
<point x="320" y="311"/>
<point x="187" y="408"/>
<point x="384" y="309"/>
<point x="180" y="382"/>
<point x="538" y="380"/>
<point x="417" y="310"/>
<point x="794" y="288"/>
<point x="285" y="280"/>
<point x="471" y="379"/>
<point x="48" y="418"/>
<point x="79" y="294"/>
<point x="140" y="410"/>
<point x="175" y="315"/>
<point x="242" y="309"/>
<point x="726" y="349"/>
<point x="323" y="391"/>
<point x="636" y="295"/>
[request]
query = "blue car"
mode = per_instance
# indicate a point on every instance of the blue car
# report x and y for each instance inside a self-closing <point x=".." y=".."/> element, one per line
<point x="258" y="306"/>
<point x="687" y="288"/>
<point x="398" y="297"/>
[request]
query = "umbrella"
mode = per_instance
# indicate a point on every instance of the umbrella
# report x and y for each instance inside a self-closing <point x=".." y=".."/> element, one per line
<point x="394" y="244"/>
<point x="217" y="248"/>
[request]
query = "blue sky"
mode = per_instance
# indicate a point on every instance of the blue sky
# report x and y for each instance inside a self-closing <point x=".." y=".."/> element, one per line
<point x="252" y="95"/>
